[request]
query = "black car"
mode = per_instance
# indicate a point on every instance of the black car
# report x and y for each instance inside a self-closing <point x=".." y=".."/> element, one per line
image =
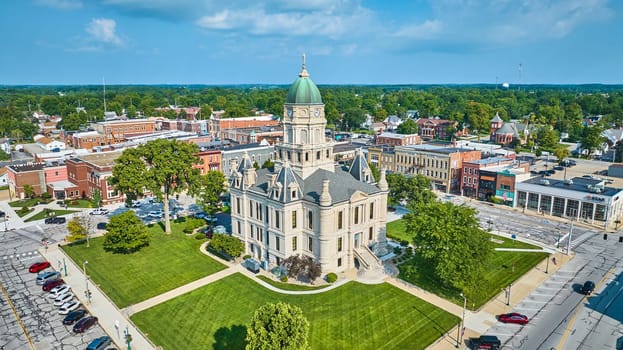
<point x="101" y="225"/>
<point x="85" y="324"/>
<point x="2" y="214"/>
<point x="588" y="287"/>
<point x="485" y="342"/>
<point x="74" y="316"/>
<point x="55" y="220"/>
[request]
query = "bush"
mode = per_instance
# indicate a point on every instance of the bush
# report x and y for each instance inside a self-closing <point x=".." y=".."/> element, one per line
<point x="397" y="250"/>
<point x="23" y="211"/>
<point x="283" y="278"/>
<point x="46" y="195"/>
<point x="200" y="236"/>
<point x="246" y="257"/>
<point x="191" y="224"/>
<point x="331" y="277"/>
<point x="404" y="243"/>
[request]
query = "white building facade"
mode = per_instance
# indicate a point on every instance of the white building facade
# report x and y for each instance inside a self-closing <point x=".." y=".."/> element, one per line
<point x="307" y="205"/>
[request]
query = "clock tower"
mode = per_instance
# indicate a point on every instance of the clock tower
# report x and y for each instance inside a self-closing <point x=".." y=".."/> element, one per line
<point x="304" y="145"/>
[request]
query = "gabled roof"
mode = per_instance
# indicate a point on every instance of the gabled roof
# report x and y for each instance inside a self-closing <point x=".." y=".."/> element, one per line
<point x="287" y="182"/>
<point x="359" y="168"/>
<point x="496" y="119"/>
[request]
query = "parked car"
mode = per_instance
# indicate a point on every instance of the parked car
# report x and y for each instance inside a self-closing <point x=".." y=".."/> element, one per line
<point x="513" y="317"/>
<point x="99" y="211"/>
<point x="38" y="266"/>
<point x="63" y="298"/>
<point x="155" y="214"/>
<point x="219" y="229"/>
<point x="99" y="343"/>
<point x="59" y="290"/>
<point x="101" y="225"/>
<point x="74" y="316"/>
<point x="559" y="167"/>
<point x="68" y="307"/>
<point x="200" y="215"/>
<point x="47" y="286"/>
<point x="61" y="203"/>
<point x="84" y="324"/>
<point x="47" y="276"/>
<point x="2" y="214"/>
<point x="55" y="220"/>
<point x="485" y="342"/>
<point x="210" y="219"/>
<point x="588" y="288"/>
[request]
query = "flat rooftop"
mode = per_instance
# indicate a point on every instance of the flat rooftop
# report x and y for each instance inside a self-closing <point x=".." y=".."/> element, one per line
<point x="100" y="159"/>
<point x="578" y="184"/>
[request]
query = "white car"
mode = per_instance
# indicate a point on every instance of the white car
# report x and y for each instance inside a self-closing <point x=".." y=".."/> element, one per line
<point x="99" y="211"/>
<point x="155" y="214"/>
<point x="63" y="298"/>
<point x="68" y="307"/>
<point x="219" y="229"/>
<point x="59" y="290"/>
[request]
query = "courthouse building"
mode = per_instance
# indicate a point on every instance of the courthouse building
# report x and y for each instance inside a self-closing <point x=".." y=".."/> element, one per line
<point x="307" y="205"/>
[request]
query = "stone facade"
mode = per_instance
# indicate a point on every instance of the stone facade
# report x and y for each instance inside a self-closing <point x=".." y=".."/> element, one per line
<point x="307" y="205"/>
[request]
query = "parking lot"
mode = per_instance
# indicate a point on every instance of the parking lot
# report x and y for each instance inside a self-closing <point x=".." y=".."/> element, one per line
<point x="29" y="304"/>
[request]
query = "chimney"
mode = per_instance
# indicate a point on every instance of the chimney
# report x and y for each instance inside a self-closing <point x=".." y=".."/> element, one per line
<point x="325" y="197"/>
<point x="382" y="184"/>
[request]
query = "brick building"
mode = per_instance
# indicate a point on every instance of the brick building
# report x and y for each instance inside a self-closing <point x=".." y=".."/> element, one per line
<point x="210" y="160"/>
<point x="26" y="174"/>
<point x="217" y="123"/>
<point x="393" y="139"/>
<point x="91" y="172"/>
<point x="115" y="131"/>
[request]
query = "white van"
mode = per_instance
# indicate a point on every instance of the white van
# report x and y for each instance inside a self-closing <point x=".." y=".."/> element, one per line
<point x="56" y="291"/>
<point x="47" y="276"/>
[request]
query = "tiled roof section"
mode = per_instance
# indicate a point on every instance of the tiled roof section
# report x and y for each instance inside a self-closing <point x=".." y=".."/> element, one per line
<point x="508" y="128"/>
<point x="496" y="119"/>
<point x="342" y="187"/>
<point x="245" y="163"/>
<point x="288" y="182"/>
<point x="359" y="168"/>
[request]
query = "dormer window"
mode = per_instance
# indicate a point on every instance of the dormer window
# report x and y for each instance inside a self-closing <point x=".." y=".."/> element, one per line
<point x="293" y="194"/>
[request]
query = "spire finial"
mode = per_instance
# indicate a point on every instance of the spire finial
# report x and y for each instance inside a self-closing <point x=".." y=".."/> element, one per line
<point x="303" y="72"/>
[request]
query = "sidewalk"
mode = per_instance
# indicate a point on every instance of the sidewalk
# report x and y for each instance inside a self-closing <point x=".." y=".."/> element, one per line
<point x="100" y="306"/>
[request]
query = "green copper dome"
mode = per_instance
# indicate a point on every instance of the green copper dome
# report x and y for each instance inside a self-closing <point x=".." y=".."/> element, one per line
<point x="303" y="90"/>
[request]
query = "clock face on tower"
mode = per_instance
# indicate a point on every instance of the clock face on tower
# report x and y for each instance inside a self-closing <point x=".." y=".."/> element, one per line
<point x="290" y="112"/>
<point x="317" y="112"/>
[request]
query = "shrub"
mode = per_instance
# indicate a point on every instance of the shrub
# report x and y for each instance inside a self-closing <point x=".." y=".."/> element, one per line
<point x="404" y="243"/>
<point x="200" y="236"/>
<point x="331" y="277"/>
<point x="46" y="195"/>
<point x="397" y="250"/>
<point x="24" y="210"/>
<point x="246" y="257"/>
<point x="284" y="278"/>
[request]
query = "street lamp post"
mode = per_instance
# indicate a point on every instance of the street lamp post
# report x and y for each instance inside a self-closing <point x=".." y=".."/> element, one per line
<point x="128" y="338"/>
<point x="65" y="266"/>
<point x="547" y="266"/>
<point x="508" y="295"/>
<point x="570" y="231"/>
<point x="87" y="292"/>
<point x="462" y="330"/>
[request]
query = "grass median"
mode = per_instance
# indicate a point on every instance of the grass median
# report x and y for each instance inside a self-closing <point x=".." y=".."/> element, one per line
<point x="169" y="261"/>
<point x="353" y="316"/>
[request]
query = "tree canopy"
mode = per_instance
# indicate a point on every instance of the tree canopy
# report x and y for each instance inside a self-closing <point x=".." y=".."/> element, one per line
<point x="450" y="239"/>
<point x="212" y="187"/>
<point x="126" y="233"/>
<point x="407" y="127"/>
<point x="227" y="244"/>
<point x="410" y="190"/>
<point x="279" y="326"/>
<point x="163" y="167"/>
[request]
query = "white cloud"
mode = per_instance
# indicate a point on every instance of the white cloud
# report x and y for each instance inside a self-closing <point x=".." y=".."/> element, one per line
<point x="61" y="4"/>
<point x="427" y="30"/>
<point x="103" y="30"/>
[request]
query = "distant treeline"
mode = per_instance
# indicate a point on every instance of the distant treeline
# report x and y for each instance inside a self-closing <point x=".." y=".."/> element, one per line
<point x="563" y="107"/>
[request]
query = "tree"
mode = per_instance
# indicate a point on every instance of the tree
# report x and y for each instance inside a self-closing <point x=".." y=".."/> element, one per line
<point x="97" y="198"/>
<point x="29" y="191"/>
<point x="547" y="136"/>
<point x="591" y="139"/>
<point x="410" y="190"/>
<point x="76" y="230"/>
<point x="212" y="187"/>
<point x="268" y="164"/>
<point x="279" y="326"/>
<point x="561" y="152"/>
<point x="227" y="244"/>
<point x="448" y="237"/>
<point x="302" y="268"/>
<point x="4" y="155"/>
<point x="376" y="173"/>
<point x="407" y="127"/>
<point x="163" y="167"/>
<point x="126" y="233"/>
<point x="478" y="115"/>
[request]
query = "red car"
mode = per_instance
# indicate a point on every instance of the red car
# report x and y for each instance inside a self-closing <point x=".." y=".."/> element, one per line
<point x="513" y="317"/>
<point x="85" y="324"/>
<point x="38" y="266"/>
<point x="47" y="286"/>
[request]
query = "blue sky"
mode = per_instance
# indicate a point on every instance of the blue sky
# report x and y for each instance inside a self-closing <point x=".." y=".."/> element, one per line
<point x="346" y="41"/>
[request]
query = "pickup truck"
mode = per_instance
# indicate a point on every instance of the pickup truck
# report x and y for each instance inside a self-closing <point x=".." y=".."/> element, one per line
<point x="485" y="342"/>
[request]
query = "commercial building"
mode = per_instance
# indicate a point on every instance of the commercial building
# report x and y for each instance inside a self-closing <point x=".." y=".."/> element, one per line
<point x="581" y="198"/>
<point x="306" y="205"/>
<point x="394" y="139"/>
<point x="90" y="173"/>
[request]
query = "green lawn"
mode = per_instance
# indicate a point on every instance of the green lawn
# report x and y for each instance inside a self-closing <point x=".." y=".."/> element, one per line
<point x="504" y="268"/>
<point x="396" y="230"/>
<point x="29" y="202"/>
<point x="79" y="203"/>
<point x="168" y="262"/>
<point x="289" y="286"/>
<point x="353" y="316"/>
<point x="42" y="214"/>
